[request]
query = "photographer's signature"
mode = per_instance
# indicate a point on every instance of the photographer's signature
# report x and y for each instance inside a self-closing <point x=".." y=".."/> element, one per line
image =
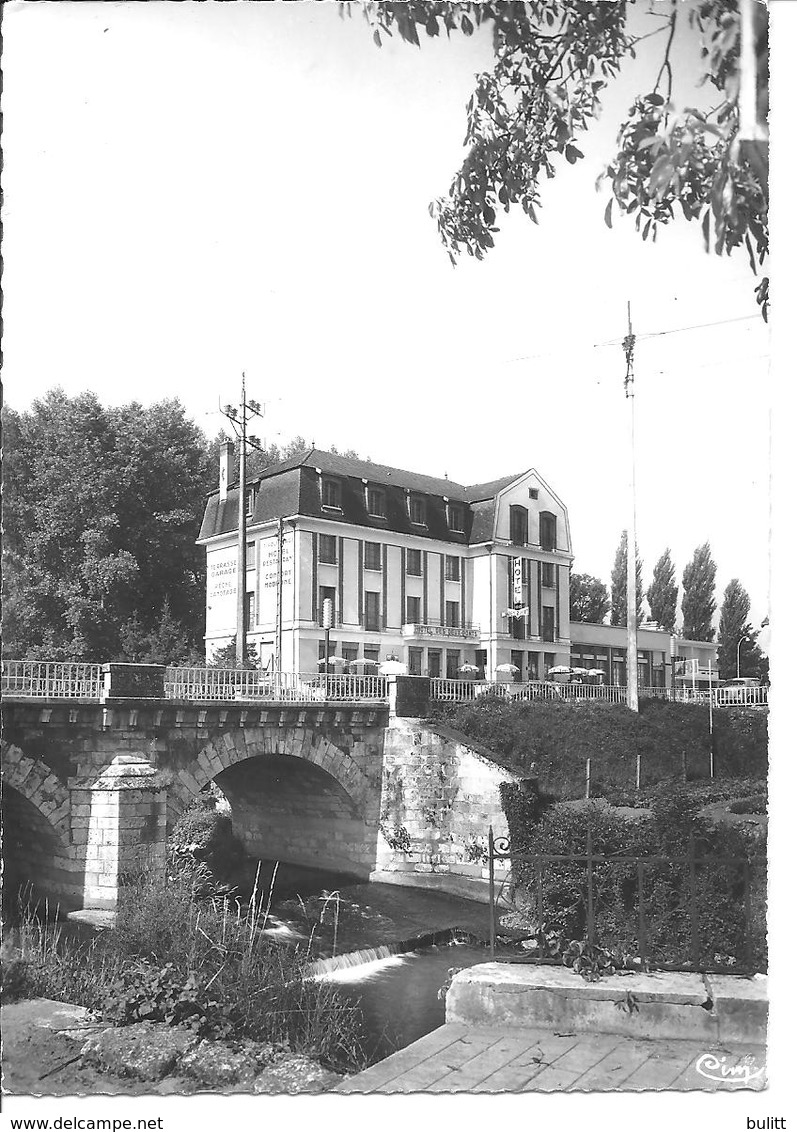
<point x="718" y="1068"/>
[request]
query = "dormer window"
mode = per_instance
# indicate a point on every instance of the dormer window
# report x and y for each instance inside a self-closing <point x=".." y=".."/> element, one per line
<point x="250" y="502"/>
<point x="518" y="526"/>
<point x="330" y="493"/>
<point x="456" y="517"/>
<point x="547" y="530"/>
<point x="418" y="510"/>
<point x="375" y="498"/>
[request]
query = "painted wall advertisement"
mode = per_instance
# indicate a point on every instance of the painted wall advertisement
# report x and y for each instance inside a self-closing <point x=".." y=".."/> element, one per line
<point x="269" y="590"/>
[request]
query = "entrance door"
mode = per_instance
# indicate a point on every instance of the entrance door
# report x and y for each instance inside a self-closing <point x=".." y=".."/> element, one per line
<point x="481" y="663"/>
<point x="434" y="660"/>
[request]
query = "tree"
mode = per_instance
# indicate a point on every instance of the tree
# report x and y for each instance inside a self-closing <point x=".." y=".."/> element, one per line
<point x="698" y="605"/>
<point x="553" y="60"/>
<point x="737" y="638"/>
<point x="589" y="599"/>
<point x="662" y="593"/>
<point x="102" y="508"/>
<point x="620" y="584"/>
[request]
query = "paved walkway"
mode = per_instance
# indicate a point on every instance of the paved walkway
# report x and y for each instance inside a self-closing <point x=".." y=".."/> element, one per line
<point x="459" y="1058"/>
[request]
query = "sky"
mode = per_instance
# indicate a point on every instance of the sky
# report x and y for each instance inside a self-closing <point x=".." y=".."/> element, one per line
<point x="195" y="190"/>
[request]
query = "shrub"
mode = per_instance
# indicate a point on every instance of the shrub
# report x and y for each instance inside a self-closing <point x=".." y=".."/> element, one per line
<point x="555" y="893"/>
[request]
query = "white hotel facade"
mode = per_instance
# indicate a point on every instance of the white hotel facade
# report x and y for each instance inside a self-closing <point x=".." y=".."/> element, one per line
<point x="430" y="572"/>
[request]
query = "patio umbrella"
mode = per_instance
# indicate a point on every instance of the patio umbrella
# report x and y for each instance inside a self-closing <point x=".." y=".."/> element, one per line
<point x="579" y="671"/>
<point x="507" y="668"/>
<point x="561" y="670"/>
<point x="362" y="661"/>
<point x="467" y="668"/>
<point x="596" y="672"/>
<point x="333" y="660"/>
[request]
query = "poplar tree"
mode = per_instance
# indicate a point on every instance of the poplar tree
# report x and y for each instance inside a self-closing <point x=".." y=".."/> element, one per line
<point x="698" y="605"/>
<point x="662" y="593"/>
<point x="620" y="584"/>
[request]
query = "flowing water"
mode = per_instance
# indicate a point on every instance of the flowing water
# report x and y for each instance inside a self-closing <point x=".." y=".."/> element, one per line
<point x="391" y="949"/>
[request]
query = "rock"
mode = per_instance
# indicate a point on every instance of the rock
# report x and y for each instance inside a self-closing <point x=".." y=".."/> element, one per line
<point x="295" y="1073"/>
<point x="146" y="1050"/>
<point x="217" y="1066"/>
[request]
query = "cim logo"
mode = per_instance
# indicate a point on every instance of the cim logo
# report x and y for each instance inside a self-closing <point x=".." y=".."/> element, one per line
<point x="715" y="1068"/>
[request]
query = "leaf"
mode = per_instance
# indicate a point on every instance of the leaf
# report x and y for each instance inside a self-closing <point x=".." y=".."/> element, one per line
<point x="607" y="216"/>
<point x="706" y="227"/>
<point x="467" y="26"/>
<point x="377" y="38"/>
<point x="572" y="153"/>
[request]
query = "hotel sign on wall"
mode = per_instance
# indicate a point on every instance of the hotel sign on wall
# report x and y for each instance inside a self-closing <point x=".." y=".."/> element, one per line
<point x="517" y="581"/>
<point x="222" y="575"/>
<point x="269" y="576"/>
<point x="441" y="631"/>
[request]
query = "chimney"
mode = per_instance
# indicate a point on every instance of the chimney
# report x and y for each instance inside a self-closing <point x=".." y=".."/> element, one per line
<point x="226" y="467"/>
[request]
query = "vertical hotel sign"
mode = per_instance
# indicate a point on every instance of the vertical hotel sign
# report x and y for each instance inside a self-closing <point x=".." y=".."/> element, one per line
<point x="269" y="589"/>
<point x="517" y="581"/>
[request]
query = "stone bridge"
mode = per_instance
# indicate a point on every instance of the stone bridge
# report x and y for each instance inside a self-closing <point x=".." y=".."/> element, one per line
<point x="91" y="789"/>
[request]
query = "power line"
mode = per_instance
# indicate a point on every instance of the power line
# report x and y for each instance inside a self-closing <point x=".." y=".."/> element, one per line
<point x="680" y="330"/>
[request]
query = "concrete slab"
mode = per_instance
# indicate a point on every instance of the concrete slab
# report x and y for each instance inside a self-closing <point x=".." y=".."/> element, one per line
<point x="740" y="1005"/>
<point x="659" y="1005"/>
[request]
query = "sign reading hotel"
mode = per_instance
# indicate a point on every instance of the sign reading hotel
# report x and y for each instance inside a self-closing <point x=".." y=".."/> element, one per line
<point x="440" y="631"/>
<point x="269" y="577"/>
<point x="517" y="581"/>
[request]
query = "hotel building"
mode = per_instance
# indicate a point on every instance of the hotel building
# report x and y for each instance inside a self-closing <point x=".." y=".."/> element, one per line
<point x="435" y="574"/>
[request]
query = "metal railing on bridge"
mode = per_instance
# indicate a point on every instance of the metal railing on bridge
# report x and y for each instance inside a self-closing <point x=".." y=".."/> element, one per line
<point x="220" y="684"/>
<point x="464" y="691"/>
<point x="52" y="680"/>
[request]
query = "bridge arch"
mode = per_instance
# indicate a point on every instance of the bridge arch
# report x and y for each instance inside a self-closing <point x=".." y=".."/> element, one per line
<point x="225" y="751"/>
<point x="294" y="796"/>
<point x="37" y="854"/>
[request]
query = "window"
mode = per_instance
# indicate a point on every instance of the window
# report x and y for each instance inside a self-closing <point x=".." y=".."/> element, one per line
<point x="328" y="549"/>
<point x="372" y="612"/>
<point x="434" y="660"/>
<point x="250" y="502"/>
<point x="452" y="568"/>
<point x="414" y="661"/>
<point x="371" y="652"/>
<point x="373" y="556"/>
<point x="518" y="526"/>
<point x="349" y="651"/>
<point x="548" y="575"/>
<point x="413" y="610"/>
<point x="547" y="530"/>
<point x="376" y="502"/>
<point x="249" y="611"/>
<point x="418" y="510"/>
<point x="414" y="563"/>
<point x="534" y="493"/>
<point x="518" y="629"/>
<point x="250" y="556"/>
<point x="534" y="666"/>
<point x="452" y="614"/>
<point x="548" y="661"/>
<point x="452" y="664"/>
<point x="330" y="493"/>
<point x="322" y="655"/>
<point x="326" y="593"/>
<point x="547" y="623"/>
<point x="456" y="517"/>
<point x="516" y="658"/>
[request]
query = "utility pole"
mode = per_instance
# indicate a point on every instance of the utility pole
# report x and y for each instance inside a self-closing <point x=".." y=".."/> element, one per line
<point x="632" y="672"/>
<point x="238" y="418"/>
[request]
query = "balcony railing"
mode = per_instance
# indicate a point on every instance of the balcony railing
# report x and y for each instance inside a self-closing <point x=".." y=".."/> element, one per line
<point x="463" y="691"/>
<point x="52" y="680"/>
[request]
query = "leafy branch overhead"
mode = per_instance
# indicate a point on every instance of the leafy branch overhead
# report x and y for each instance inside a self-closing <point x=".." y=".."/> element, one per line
<point x="553" y="60"/>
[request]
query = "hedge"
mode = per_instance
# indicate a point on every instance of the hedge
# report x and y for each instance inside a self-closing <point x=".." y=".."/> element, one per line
<point x="551" y="740"/>
<point x="561" y="828"/>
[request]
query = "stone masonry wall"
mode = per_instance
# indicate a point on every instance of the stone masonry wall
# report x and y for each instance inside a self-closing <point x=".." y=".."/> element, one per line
<point x="439" y="797"/>
<point x="286" y="809"/>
